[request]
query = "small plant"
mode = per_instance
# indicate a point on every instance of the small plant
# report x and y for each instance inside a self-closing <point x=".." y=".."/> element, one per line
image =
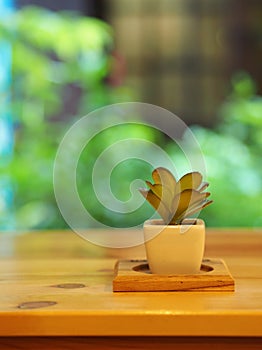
<point x="174" y="200"/>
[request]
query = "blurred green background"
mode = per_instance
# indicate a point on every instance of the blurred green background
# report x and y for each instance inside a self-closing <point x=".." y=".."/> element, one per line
<point x="59" y="65"/>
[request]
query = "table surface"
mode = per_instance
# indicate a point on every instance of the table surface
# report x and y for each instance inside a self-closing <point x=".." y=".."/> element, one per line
<point x="55" y="283"/>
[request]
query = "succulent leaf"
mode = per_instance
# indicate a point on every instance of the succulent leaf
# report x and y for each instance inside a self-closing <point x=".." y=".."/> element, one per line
<point x="203" y="186"/>
<point x="164" y="177"/>
<point x="163" y="193"/>
<point x="192" y="210"/>
<point x="175" y="200"/>
<point x="182" y="201"/>
<point x="157" y="204"/>
<point x="155" y="188"/>
<point x="189" y="181"/>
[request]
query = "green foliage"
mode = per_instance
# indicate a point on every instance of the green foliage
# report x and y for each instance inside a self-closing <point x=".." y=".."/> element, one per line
<point x="175" y="200"/>
<point x="122" y="185"/>
<point x="232" y="153"/>
<point x="60" y="62"/>
<point x="57" y="58"/>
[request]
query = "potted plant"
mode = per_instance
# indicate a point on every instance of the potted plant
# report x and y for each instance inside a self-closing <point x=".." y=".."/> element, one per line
<point x="175" y="244"/>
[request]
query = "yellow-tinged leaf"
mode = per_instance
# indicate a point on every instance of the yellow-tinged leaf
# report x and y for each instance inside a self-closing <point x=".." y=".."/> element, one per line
<point x="181" y="203"/>
<point x="189" y="181"/>
<point x="155" y="188"/>
<point x="157" y="204"/>
<point x="162" y="192"/>
<point x="144" y="192"/>
<point x="175" y="200"/>
<point x="203" y="186"/>
<point x="186" y="199"/>
<point x="197" y="200"/>
<point x="198" y="197"/>
<point x="164" y="177"/>
<point x="193" y="210"/>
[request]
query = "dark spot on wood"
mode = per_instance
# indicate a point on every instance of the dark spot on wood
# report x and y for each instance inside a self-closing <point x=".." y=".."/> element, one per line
<point x="69" y="285"/>
<point x="36" y="304"/>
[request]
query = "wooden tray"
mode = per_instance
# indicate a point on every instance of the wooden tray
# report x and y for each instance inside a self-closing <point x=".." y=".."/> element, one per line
<point x="135" y="276"/>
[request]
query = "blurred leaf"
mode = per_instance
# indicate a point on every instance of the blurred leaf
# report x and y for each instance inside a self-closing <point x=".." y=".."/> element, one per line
<point x="243" y="85"/>
<point x="59" y="64"/>
<point x="203" y="186"/>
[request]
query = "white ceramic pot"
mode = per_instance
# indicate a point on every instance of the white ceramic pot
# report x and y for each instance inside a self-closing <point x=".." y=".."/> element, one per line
<point x="174" y="249"/>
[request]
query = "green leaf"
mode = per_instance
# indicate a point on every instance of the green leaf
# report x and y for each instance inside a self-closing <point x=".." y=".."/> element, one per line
<point x="203" y="186"/>
<point x="164" y="177"/>
<point x="186" y="199"/>
<point x="157" y="189"/>
<point x="174" y="200"/>
<point x="192" y="210"/>
<point x="163" y="193"/>
<point x="157" y="204"/>
<point x="189" y="181"/>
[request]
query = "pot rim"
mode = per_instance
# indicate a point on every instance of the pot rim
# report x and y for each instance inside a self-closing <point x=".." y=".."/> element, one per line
<point x="159" y="223"/>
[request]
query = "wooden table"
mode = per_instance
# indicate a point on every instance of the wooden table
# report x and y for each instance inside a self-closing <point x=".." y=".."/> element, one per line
<point x="56" y="292"/>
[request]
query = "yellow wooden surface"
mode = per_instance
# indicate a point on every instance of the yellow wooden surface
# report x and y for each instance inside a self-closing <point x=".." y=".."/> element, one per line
<point x="74" y="278"/>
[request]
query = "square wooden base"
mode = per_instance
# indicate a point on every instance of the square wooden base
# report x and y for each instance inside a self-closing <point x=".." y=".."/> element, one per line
<point x="135" y="276"/>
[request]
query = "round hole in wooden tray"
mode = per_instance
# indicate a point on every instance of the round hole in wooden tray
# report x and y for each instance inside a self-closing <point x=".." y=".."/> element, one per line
<point x="144" y="268"/>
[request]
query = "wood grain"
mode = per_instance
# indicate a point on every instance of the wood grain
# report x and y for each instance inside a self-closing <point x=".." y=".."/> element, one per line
<point x="135" y="276"/>
<point x="71" y="279"/>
